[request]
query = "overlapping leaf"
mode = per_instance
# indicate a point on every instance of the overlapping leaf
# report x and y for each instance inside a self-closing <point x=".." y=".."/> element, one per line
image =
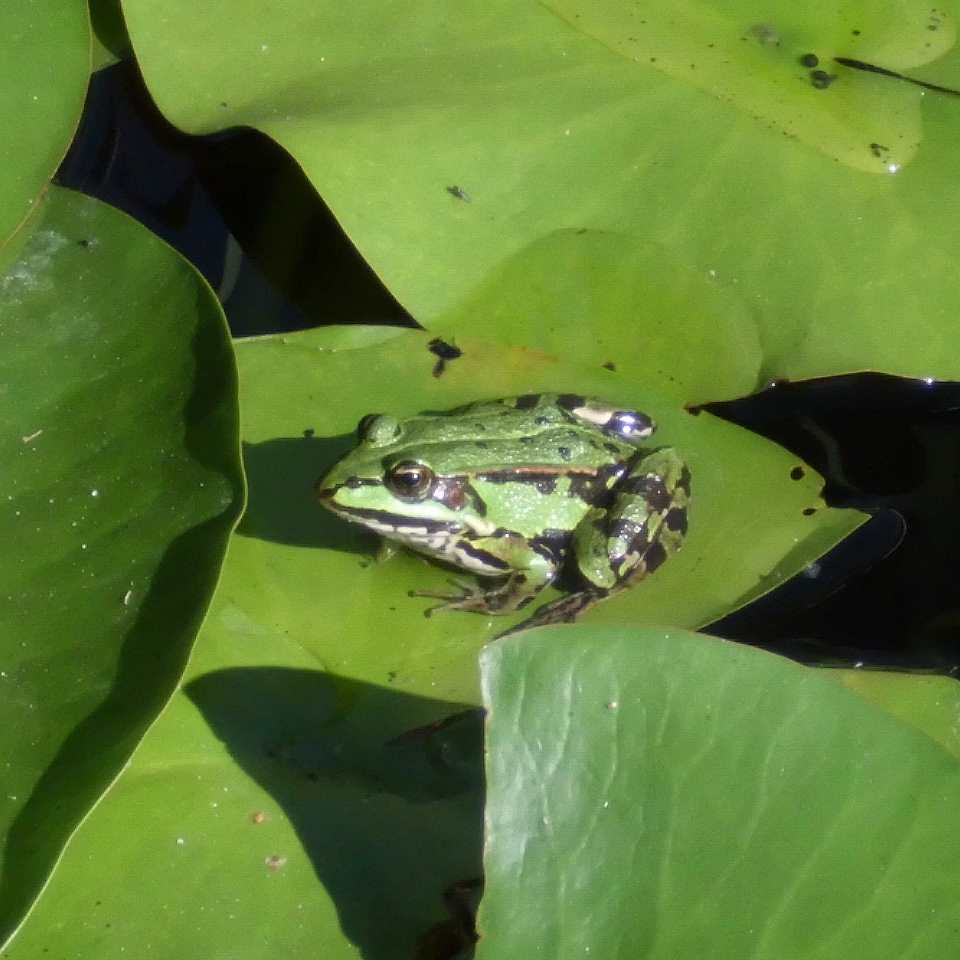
<point x="43" y="80"/>
<point x="809" y="222"/>
<point x="121" y="480"/>
<point x="661" y="794"/>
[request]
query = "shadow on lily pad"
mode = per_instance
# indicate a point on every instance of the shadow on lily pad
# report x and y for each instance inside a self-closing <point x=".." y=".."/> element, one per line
<point x="385" y="791"/>
<point x="282" y="506"/>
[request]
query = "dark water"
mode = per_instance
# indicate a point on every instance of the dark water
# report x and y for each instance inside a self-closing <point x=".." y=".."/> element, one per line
<point x="243" y="213"/>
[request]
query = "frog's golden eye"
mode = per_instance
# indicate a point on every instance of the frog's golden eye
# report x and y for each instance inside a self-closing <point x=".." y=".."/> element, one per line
<point x="409" y="481"/>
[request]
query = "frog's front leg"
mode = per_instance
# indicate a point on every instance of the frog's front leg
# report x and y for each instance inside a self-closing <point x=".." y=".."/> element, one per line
<point x="617" y="546"/>
<point x="525" y="568"/>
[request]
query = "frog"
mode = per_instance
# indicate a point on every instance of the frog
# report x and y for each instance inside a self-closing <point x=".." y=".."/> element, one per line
<point x="516" y="491"/>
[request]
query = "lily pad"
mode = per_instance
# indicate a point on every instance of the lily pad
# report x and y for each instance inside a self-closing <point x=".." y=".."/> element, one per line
<point x="43" y="82"/>
<point x="311" y="759"/>
<point x="453" y="154"/>
<point x="663" y="794"/>
<point x="121" y="484"/>
<point x="929" y="703"/>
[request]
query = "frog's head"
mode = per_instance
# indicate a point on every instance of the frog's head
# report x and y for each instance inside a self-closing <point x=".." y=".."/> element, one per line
<point x="387" y="484"/>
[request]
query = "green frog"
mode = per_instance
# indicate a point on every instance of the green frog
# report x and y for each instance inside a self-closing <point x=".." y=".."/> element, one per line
<point x="517" y="489"/>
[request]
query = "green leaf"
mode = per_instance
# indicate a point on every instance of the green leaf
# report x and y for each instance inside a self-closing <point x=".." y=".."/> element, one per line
<point x="318" y="693"/>
<point x="43" y="81"/>
<point x="667" y="795"/>
<point x="110" y="40"/>
<point x="756" y="519"/>
<point x="458" y="153"/>
<point x="929" y="703"/>
<point x="121" y="483"/>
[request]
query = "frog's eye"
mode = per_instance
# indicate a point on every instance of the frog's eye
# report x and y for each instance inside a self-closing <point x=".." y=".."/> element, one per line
<point x="630" y="423"/>
<point x="409" y="480"/>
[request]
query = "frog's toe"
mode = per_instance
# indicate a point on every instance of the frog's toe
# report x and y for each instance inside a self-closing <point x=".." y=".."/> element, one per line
<point x="468" y="597"/>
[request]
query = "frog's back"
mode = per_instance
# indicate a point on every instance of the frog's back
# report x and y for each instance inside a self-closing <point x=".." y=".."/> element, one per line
<point x="527" y="432"/>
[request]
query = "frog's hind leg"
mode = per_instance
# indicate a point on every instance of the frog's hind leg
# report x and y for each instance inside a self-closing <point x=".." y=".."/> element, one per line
<point x="616" y="546"/>
<point x="524" y="569"/>
<point x="563" y="610"/>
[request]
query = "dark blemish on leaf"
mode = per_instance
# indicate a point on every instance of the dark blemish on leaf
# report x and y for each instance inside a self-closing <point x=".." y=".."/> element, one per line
<point x="810" y="60"/>
<point x="809" y="511"/>
<point x="443" y="351"/>
<point x="309" y="432"/>
<point x="856" y="33"/>
<point x="609" y="365"/>
<point x="821" y="79"/>
<point x="884" y="72"/>
<point x="459" y="193"/>
<point x="878" y="149"/>
<point x="797" y="473"/>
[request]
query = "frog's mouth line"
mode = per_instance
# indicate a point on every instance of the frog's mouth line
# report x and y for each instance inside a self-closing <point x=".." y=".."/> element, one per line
<point x="395" y="522"/>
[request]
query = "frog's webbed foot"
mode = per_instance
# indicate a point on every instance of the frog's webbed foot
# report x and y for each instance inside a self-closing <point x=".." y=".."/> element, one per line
<point x="564" y="610"/>
<point x="512" y="593"/>
<point x="467" y="597"/>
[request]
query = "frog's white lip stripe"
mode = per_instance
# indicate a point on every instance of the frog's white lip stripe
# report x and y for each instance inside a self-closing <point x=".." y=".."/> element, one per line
<point x="383" y="521"/>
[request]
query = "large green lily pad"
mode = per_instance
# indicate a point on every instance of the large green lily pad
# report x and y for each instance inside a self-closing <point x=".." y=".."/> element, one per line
<point x="121" y="481"/>
<point x="318" y="693"/>
<point x="43" y="81"/>
<point x="667" y="795"/>
<point x="452" y="155"/>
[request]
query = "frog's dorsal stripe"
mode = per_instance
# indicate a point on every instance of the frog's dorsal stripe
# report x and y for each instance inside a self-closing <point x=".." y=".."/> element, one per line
<point x="534" y="475"/>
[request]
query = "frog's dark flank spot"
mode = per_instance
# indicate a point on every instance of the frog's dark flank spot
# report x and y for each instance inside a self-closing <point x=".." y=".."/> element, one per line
<point x="459" y="193"/>
<point x="809" y="60"/>
<point x="797" y="473"/>
<point x="809" y="511"/>
<point x="309" y="432"/>
<point x="676" y="520"/>
<point x="609" y="365"/>
<point x="443" y="351"/>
